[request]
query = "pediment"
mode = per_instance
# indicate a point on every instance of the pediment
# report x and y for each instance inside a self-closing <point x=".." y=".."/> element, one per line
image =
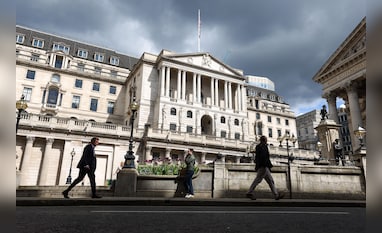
<point x="205" y="61"/>
<point x="351" y="47"/>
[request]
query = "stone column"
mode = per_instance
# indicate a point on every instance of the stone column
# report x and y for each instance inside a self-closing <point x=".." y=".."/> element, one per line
<point x="217" y="102"/>
<point x="194" y="88"/>
<point x="212" y="91"/>
<point x="162" y="81"/>
<point x="243" y="98"/>
<point x="229" y="95"/>
<point x="355" y="113"/>
<point x="168" y="70"/>
<point x="184" y="85"/>
<point x="179" y="84"/>
<point x="332" y="104"/>
<point x="225" y="94"/>
<point x="44" y="174"/>
<point x="26" y="178"/>
<point x="199" y="85"/>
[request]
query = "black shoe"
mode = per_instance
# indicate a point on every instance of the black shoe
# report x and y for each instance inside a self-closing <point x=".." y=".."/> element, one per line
<point x="96" y="196"/>
<point x="279" y="196"/>
<point x="250" y="196"/>
<point x="65" y="193"/>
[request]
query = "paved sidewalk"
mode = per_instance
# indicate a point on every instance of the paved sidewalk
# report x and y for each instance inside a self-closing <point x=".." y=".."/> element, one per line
<point x="152" y="201"/>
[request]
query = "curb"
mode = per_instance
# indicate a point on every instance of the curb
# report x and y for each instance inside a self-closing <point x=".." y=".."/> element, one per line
<point x="123" y="201"/>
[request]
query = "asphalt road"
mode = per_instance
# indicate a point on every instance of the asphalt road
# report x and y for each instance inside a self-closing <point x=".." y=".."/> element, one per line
<point x="189" y="219"/>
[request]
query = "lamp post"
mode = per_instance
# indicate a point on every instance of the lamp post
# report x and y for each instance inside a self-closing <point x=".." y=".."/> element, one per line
<point x="129" y="156"/>
<point x="293" y="139"/>
<point x="319" y="148"/>
<point x="360" y="134"/>
<point x="21" y="105"/>
<point x="69" y="179"/>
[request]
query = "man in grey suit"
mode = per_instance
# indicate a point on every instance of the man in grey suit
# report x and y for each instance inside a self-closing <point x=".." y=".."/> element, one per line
<point x="87" y="165"/>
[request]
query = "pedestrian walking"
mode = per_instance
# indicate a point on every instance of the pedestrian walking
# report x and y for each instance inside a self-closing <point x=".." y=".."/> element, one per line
<point x="263" y="169"/>
<point x="190" y="162"/>
<point x="87" y="166"/>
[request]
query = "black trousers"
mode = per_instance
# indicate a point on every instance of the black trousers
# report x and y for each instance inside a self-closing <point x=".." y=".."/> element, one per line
<point x="81" y="176"/>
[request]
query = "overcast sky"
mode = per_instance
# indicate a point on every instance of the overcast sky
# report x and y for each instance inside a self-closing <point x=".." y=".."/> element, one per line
<point x="284" y="40"/>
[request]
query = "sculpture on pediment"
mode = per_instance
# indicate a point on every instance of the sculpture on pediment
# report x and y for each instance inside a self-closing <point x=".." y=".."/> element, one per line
<point x="206" y="60"/>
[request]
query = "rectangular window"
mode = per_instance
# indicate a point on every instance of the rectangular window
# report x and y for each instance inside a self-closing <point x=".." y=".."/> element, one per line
<point x="269" y="119"/>
<point x="31" y="74"/>
<point x="35" y="57"/>
<point x="286" y="122"/>
<point x="27" y="92"/>
<point x="78" y="83"/>
<point x="58" y="62"/>
<point x="110" y="107"/>
<point x="61" y="47"/>
<point x="20" y="39"/>
<point x="278" y="120"/>
<point x="82" y="53"/>
<point x="114" y="61"/>
<point x="95" y="86"/>
<point x="97" y="70"/>
<point x="81" y="67"/>
<point x="99" y="57"/>
<point x="189" y="129"/>
<point x="93" y="104"/>
<point x="173" y="127"/>
<point x="237" y="136"/>
<point x="113" y="90"/>
<point x="279" y="133"/>
<point x="257" y="116"/>
<point x="38" y="43"/>
<point x="223" y="134"/>
<point x="270" y="132"/>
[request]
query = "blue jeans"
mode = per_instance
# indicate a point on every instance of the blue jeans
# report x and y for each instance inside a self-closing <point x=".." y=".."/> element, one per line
<point x="188" y="182"/>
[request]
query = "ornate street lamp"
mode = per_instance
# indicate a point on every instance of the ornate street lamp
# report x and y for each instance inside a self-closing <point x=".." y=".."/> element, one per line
<point x="293" y="139"/>
<point x="129" y="157"/>
<point x="319" y="147"/>
<point x="360" y="134"/>
<point x="21" y="105"/>
<point x="69" y="179"/>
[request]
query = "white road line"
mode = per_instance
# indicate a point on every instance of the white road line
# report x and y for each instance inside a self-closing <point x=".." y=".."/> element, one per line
<point x="217" y="212"/>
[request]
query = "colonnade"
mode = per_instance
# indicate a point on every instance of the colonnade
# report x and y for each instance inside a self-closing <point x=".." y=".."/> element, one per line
<point x="352" y="102"/>
<point x="234" y="93"/>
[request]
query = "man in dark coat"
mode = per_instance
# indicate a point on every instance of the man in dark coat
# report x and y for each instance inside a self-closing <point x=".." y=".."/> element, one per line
<point x="87" y="165"/>
<point x="263" y="166"/>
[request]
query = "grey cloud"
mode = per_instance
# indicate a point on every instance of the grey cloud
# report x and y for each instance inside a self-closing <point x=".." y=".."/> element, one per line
<point x="286" y="41"/>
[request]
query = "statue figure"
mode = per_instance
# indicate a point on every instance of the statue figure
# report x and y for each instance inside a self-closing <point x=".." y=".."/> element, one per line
<point x="324" y="113"/>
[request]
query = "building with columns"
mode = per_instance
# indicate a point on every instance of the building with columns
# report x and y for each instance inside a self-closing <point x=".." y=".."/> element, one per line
<point x="343" y="76"/>
<point x="76" y="91"/>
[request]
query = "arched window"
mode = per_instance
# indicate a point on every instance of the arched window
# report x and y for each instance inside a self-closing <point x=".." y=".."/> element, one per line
<point x="222" y="120"/>
<point x="173" y="111"/>
<point x="189" y="114"/>
<point x="236" y="122"/>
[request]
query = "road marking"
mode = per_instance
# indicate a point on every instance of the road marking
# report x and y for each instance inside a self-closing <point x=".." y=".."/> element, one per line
<point x="217" y="212"/>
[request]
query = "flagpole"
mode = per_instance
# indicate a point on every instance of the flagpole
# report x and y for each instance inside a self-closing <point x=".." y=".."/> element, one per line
<point x="199" y="31"/>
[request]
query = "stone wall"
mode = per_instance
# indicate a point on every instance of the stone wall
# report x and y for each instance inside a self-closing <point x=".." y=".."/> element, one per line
<point x="224" y="180"/>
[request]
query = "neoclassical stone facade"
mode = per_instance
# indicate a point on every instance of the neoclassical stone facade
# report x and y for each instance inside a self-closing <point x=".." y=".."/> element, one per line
<point x="76" y="91"/>
<point x="344" y="76"/>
